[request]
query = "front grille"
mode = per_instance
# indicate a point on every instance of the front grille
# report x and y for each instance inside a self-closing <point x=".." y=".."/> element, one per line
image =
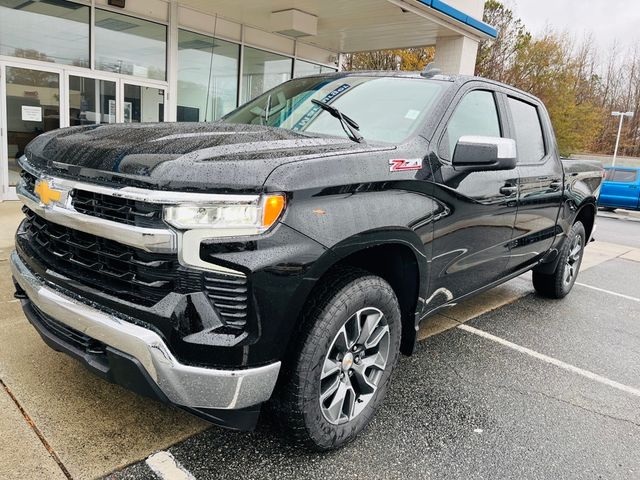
<point x="108" y="207"/>
<point x="106" y="265"/>
<point x="117" y="209"/>
<point x="129" y="273"/>
<point x="29" y="181"/>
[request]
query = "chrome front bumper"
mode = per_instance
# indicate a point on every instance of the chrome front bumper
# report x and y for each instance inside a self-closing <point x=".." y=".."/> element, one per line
<point x="185" y="385"/>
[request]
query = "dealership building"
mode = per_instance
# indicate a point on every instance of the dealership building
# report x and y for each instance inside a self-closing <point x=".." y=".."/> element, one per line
<point x="66" y="63"/>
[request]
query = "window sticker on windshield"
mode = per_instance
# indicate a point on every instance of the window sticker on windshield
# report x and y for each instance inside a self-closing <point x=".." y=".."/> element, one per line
<point x="412" y="114"/>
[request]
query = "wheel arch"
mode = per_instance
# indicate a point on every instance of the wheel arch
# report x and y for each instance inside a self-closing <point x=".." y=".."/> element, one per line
<point x="587" y="215"/>
<point x="396" y="256"/>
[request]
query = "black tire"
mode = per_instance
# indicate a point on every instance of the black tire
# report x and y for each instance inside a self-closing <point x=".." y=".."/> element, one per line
<point x="559" y="283"/>
<point x="297" y="401"/>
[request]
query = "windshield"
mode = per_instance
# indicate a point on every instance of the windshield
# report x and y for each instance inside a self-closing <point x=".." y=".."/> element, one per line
<point x="387" y="109"/>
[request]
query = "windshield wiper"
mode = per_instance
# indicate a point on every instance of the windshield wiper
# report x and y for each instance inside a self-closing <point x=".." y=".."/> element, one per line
<point x="349" y="125"/>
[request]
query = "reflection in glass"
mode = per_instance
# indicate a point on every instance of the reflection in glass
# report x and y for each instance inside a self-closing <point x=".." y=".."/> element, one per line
<point x="130" y="45"/>
<point x="143" y="104"/>
<point x="33" y="107"/>
<point x="302" y="69"/>
<point x="262" y="71"/>
<point x="91" y="101"/>
<point x="387" y="109"/>
<point x="200" y="72"/>
<point x="50" y="31"/>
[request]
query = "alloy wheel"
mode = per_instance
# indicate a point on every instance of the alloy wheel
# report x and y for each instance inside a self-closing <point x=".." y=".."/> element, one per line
<point x="354" y="365"/>
<point x="573" y="260"/>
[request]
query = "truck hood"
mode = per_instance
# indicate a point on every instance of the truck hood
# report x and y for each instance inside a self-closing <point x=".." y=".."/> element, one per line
<point x="181" y="156"/>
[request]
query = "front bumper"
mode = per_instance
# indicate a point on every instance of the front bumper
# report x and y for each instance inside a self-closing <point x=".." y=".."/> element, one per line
<point x="195" y="388"/>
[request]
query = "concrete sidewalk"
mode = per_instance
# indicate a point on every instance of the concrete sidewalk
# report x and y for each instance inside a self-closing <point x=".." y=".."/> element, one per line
<point x="61" y="421"/>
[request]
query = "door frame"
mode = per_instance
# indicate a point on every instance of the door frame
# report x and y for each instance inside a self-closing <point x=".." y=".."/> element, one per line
<point x="94" y="75"/>
<point x="138" y="83"/>
<point x="7" y="192"/>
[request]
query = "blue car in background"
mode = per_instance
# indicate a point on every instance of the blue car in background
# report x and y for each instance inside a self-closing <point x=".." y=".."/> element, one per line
<point x="621" y="189"/>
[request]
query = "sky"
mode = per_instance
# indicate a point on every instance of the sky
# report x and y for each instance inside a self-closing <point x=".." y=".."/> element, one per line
<point x="608" y="20"/>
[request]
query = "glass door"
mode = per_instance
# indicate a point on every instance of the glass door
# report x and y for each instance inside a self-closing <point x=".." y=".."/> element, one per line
<point x="30" y="105"/>
<point x="142" y="103"/>
<point x="92" y="101"/>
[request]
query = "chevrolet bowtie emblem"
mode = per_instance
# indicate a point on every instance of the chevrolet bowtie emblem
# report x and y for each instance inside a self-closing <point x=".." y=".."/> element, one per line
<point x="45" y="193"/>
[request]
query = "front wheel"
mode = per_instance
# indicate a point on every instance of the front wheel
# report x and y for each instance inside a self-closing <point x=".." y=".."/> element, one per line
<point x="344" y="362"/>
<point x="559" y="283"/>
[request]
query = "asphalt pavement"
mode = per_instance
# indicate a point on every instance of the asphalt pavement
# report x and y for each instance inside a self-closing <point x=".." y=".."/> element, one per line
<point x="533" y="389"/>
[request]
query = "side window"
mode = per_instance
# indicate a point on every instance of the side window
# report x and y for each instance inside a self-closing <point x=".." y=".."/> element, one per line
<point x="528" y="131"/>
<point x="476" y="114"/>
<point x="624" y="176"/>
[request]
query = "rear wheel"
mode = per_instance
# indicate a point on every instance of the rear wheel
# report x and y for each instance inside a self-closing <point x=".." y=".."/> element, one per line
<point x="344" y="361"/>
<point x="559" y="283"/>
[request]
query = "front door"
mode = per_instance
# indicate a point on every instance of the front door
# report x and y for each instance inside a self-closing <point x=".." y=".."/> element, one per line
<point x="473" y="230"/>
<point x="30" y="106"/>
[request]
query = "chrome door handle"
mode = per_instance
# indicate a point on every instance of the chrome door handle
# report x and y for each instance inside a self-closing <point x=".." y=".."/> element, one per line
<point x="556" y="184"/>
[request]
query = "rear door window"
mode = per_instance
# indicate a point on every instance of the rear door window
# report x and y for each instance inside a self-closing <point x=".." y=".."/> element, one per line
<point x="528" y="131"/>
<point x="622" y="176"/>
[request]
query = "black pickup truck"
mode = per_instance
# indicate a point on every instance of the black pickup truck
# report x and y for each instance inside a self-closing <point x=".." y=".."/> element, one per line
<point x="285" y="255"/>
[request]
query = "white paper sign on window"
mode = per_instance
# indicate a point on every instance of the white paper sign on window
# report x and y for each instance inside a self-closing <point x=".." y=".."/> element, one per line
<point x="31" y="114"/>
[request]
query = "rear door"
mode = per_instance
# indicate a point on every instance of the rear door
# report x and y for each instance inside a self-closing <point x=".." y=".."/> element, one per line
<point x="541" y="175"/>
<point x="620" y="188"/>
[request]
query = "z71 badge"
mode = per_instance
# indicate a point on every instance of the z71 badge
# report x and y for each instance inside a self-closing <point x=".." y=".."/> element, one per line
<point x="403" y="165"/>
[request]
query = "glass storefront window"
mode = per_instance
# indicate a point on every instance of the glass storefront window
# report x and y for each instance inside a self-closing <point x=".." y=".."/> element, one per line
<point x="262" y="71"/>
<point x="207" y="77"/>
<point x="33" y="107"/>
<point x="49" y="30"/>
<point x="143" y="104"/>
<point x="91" y="101"/>
<point x="130" y="46"/>
<point x="302" y="69"/>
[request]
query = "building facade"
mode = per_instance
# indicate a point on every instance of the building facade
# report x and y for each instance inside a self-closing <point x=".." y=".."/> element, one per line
<point x="77" y="62"/>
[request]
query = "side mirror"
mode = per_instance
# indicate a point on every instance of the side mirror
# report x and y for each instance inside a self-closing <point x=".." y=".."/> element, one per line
<point x="476" y="153"/>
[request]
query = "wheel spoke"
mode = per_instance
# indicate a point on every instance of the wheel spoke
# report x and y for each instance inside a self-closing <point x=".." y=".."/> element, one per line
<point x="365" y="385"/>
<point x="341" y="342"/>
<point x="329" y="368"/>
<point x="575" y="252"/>
<point x="371" y="321"/>
<point x="376" y="336"/>
<point x="378" y="361"/>
<point x="349" y="402"/>
<point x="568" y="273"/>
<point x="330" y="390"/>
<point x="335" y="408"/>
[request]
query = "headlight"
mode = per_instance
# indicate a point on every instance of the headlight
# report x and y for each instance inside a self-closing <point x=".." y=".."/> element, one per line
<point x="231" y="217"/>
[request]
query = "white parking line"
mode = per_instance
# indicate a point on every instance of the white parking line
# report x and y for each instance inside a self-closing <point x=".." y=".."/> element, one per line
<point x="165" y="466"/>
<point x="609" y="292"/>
<point x="553" y="361"/>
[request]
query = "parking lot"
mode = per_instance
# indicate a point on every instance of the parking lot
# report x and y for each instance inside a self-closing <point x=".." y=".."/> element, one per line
<point x="505" y="385"/>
